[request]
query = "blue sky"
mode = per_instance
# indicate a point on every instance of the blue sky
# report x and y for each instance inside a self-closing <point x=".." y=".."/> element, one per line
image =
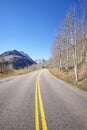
<point x="31" y="25"/>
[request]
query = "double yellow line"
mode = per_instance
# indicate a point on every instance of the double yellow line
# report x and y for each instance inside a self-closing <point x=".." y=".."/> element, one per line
<point x="39" y="104"/>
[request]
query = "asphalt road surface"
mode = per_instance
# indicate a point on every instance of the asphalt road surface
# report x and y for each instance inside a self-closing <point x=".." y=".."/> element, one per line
<point x="40" y="101"/>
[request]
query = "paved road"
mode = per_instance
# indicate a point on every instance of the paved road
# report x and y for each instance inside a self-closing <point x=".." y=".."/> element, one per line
<point x="40" y="101"/>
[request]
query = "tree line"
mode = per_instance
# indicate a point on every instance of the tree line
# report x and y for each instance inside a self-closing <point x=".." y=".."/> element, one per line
<point x="69" y="48"/>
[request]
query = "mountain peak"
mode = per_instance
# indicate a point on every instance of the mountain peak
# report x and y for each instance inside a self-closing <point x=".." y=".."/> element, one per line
<point x="40" y="61"/>
<point x="10" y="52"/>
<point x="16" y="58"/>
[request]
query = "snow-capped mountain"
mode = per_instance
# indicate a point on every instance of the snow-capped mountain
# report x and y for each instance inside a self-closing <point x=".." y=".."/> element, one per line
<point x="40" y="61"/>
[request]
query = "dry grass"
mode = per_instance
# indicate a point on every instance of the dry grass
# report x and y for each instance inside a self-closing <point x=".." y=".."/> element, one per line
<point x="63" y="75"/>
<point x="21" y="71"/>
<point x="15" y="72"/>
<point x="69" y="77"/>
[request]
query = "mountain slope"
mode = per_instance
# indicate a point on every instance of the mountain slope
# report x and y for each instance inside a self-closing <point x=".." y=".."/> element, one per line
<point x="16" y="59"/>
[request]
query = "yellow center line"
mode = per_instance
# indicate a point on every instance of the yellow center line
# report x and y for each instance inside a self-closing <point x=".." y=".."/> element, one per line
<point x="43" y="118"/>
<point x="36" y="110"/>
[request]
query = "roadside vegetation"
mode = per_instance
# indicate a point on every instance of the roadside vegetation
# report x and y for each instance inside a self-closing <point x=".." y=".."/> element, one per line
<point x="69" y="76"/>
<point x="69" y="49"/>
<point x="21" y="71"/>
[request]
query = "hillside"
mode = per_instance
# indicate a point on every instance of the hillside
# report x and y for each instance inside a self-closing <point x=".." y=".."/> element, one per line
<point x="63" y="66"/>
<point x="70" y="77"/>
<point x="14" y="59"/>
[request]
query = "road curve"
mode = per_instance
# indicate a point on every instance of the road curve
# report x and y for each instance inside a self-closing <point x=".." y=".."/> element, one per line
<point x="40" y="101"/>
